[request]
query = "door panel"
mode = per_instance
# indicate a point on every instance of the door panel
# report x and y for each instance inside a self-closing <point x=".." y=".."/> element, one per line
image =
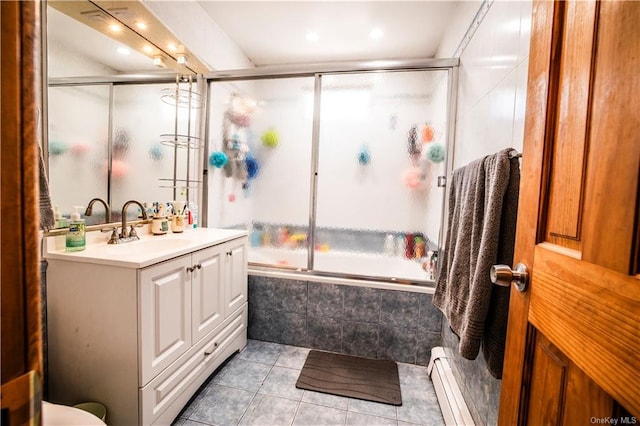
<point x="592" y="315"/>
<point x="551" y="368"/>
<point x="614" y="149"/>
<point x="166" y="313"/>
<point x="567" y="169"/>
<point x="207" y="291"/>
<point x="236" y="284"/>
<point x="573" y="339"/>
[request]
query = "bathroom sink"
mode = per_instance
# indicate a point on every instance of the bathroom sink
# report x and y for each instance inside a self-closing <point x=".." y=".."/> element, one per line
<point x="148" y="246"/>
<point x="146" y="251"/>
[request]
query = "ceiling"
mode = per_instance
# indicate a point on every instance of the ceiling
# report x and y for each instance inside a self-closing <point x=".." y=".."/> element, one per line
<point x="273" y="32"/>
<point x="86" y="42"/>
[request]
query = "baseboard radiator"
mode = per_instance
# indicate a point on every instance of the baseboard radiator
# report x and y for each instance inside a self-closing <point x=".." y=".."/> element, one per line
<point x="452" y="404"/>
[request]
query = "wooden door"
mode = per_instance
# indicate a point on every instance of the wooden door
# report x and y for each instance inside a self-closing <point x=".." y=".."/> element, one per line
<point x="21" y="366"/>
<point x="573" y="340"/>
<point x="207" y="291"/>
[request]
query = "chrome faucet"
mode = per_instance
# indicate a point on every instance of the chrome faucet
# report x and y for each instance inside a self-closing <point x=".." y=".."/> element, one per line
<point x="125" y="234"/>
<point x="89" y="210"/>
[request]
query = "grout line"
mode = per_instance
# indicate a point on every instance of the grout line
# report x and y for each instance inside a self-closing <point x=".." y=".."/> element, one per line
<point x="296" y="413"/>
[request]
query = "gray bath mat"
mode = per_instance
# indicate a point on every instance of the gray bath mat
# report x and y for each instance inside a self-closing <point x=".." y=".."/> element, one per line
<point x="355" y="377"/>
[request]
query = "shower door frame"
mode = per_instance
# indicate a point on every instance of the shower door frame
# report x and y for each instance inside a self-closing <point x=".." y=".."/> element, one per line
<point x="317" y="70"/>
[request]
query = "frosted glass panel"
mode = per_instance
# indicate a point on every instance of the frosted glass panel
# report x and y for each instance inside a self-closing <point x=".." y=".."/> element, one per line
<point x="381" y="149"/>
<point x="78" y="147"/>
<point x="143" y="167"/>
<point x="263" y="128"/>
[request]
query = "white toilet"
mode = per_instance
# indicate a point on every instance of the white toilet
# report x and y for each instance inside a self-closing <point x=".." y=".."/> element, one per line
<point x="62" y="415"/>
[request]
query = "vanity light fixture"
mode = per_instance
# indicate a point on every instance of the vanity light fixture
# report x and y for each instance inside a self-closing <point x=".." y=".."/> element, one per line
<point x="182" y="59"/>
<point x="116" y="28"/>
<point x="172" y="47"/>
<point x="159" y="61"/>
<point x="141" y="25"/>
<point x="148" y="49"/>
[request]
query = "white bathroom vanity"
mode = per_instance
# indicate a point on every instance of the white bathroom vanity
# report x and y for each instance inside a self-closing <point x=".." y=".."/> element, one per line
<point x="140" y="326"/>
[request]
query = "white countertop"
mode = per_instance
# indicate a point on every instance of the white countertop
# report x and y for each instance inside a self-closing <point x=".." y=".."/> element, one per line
<point x="150" y="249"/>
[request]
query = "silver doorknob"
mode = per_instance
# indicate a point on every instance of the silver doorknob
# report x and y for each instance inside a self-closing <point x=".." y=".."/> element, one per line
<point x="503" y="275"/>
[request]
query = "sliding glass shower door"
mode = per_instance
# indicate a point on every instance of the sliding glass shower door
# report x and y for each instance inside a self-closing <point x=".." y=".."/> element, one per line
<point x="333" y="173"/>
<point x="259" y="165"/>
<point x="78" y="146"/>
<point x="381" y="148"/>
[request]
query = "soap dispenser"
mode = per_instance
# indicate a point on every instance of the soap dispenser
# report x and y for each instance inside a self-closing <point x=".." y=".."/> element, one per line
<point x="76" y="238"/>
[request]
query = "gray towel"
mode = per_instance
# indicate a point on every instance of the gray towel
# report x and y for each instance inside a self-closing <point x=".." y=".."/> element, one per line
<point x="483" y="199"/>
<point x="46" y="211"/>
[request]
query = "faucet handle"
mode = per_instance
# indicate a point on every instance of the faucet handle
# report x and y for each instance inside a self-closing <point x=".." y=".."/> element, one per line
<point x="113" y="239"/>
<point x="133" y="233"/>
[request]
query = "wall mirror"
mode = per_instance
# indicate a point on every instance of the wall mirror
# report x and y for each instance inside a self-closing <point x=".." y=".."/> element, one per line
<point x="104" y="126"/>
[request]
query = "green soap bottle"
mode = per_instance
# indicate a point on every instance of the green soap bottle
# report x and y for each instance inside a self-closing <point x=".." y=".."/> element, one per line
<point x="76" y="239"/>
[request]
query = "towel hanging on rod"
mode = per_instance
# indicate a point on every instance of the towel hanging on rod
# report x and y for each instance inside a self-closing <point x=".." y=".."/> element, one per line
<point x="483" y="199"/>
<point x="515" y="154"/>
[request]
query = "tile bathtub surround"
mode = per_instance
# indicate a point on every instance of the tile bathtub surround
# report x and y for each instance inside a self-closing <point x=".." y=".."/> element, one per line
<point x="257" y="387"/>
<point x="361" y="321"/>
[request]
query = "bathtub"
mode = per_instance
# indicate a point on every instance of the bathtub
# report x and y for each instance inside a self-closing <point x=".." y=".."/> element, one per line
<point x="389" y="268"/>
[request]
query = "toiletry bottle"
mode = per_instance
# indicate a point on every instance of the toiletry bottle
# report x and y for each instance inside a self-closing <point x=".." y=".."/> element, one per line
<point x="409" y="249"/>
<point x="194" y="214"/>
<point x="188" y="218"/>
<point x="76" y="239"/>
<point x="57" y="216"/>
<point x="389" y="245"/>
<point x="400" y="245"/>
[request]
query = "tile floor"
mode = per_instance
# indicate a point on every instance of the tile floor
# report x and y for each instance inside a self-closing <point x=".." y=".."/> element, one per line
<point x="257" y="387"/>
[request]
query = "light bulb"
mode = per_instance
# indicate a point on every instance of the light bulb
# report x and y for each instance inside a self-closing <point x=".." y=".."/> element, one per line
<point x="158" y="61"/>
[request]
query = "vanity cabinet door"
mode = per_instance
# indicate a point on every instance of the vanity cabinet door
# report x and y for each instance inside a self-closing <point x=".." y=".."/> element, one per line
<point x="207" y="291"/>
<point x="165" y="315"/>
<point x="236" y="274"/>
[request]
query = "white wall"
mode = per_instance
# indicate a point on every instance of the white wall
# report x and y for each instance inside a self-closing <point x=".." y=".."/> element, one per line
<point x="493" y="82"/>
<point x="195" y="29"/>
<point x="62" y="62"/>
<point x="463" y="15"/>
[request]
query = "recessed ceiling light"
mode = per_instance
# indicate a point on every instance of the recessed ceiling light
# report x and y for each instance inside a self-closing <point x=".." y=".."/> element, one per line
<point x="141" y="25"/>
<point x="376" y="33"/>
<point x="148" y="49"/>
<point x="116" y="28"/>
<point x="172" y="47"/>
<point x="312" y="36"/>
<point x="123" y="50"/>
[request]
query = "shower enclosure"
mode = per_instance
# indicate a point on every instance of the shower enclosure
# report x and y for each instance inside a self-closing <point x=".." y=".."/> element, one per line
<point x="333" y="170"/>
